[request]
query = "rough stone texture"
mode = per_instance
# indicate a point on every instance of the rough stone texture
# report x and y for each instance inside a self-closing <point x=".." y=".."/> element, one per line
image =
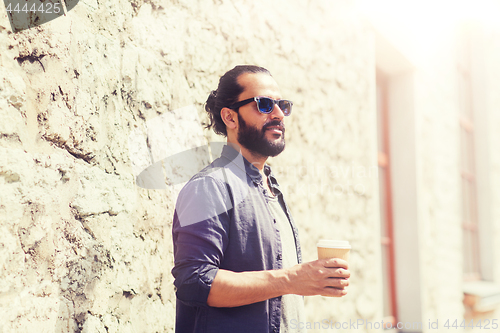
<point x="90" y="100"/>
<point x="83" y="248"/>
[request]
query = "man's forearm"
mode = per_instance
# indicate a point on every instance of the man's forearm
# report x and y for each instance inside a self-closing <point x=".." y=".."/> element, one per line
<point x="231" y="289"/>
<point x="321" y="277"/>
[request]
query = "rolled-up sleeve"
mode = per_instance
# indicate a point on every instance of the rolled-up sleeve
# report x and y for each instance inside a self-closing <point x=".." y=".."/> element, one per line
<point x="200" y="235"/>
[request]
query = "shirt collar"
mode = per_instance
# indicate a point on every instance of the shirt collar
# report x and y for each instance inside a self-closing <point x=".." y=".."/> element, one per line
<point x="233" y="155"/>
<point x="273" y="182"/>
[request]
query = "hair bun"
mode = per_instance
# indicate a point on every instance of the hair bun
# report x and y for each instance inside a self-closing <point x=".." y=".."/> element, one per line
<point x="210" y="103"/>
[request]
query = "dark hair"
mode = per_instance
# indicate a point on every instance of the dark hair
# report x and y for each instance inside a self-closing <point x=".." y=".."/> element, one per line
<point x="227" y="93"/>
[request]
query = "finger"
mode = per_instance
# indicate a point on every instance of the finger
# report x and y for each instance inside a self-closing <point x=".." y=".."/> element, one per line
<point x="336" y="262"/>
<point x="333" y="292"/>
<point x="337" y="283"/>
<point x="337" y="273"/>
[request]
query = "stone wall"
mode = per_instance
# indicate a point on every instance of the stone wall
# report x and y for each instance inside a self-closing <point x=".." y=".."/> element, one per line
<point x="82" y="247"/>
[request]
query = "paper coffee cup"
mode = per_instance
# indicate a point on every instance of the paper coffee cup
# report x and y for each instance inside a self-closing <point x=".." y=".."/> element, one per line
<point x="333" y="249"/>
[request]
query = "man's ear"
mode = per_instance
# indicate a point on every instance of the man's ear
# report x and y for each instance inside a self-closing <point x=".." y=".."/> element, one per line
<point x="229" y="117"/>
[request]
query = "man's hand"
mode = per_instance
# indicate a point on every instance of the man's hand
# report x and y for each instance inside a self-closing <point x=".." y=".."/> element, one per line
<point x="325" y="277"/>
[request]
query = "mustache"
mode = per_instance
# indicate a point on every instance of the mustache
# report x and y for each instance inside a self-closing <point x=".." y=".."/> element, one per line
<point x="277" y="123"/>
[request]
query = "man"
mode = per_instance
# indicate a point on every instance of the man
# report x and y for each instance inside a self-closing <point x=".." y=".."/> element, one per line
<point x="237" y="254"/>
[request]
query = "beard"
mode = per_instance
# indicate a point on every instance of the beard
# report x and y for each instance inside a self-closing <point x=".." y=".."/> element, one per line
<point x="255" y="140"/>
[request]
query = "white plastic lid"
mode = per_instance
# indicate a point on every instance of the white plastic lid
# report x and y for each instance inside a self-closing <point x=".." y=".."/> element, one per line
<point x="335" y="244"/>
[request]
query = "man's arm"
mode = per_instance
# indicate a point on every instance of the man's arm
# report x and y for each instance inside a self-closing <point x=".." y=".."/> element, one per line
<point x="326" y="277"/>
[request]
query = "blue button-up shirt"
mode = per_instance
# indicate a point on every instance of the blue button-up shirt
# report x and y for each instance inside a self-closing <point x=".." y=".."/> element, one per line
<point x="222" y="220"/>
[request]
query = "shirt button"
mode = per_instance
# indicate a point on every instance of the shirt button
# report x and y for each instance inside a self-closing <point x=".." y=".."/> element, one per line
<point x="279" y="256"/>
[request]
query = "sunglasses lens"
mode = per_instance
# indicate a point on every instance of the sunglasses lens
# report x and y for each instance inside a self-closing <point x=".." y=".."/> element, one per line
<point x="286" y="107"/>
<point x="266" y="105"/>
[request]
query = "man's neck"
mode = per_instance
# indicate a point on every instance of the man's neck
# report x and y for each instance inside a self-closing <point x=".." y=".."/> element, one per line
<point x="255" y="159"/>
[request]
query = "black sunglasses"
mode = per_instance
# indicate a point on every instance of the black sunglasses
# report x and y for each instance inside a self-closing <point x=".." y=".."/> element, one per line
<point x="266" y="104"/>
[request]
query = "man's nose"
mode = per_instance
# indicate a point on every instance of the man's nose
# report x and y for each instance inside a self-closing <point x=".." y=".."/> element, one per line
<point x="277" y="113"/>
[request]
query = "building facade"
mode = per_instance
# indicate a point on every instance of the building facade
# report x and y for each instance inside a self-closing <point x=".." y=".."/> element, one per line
<point x="102" y="122"/>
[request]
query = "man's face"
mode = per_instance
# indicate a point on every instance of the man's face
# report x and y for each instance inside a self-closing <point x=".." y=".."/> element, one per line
<point x="260" y="133"/>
